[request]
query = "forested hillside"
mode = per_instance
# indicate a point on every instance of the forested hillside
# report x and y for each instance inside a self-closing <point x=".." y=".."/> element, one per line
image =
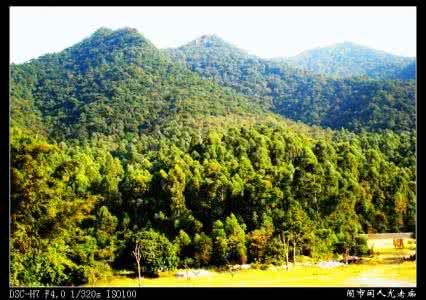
<point x="354" y="104"/>
<point x="351" y="60"/>
<point x="113" y="83"/>
<point x="114" y="143"/>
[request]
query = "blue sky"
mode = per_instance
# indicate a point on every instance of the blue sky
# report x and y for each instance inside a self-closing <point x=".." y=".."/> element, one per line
<point x="263" y="31"/>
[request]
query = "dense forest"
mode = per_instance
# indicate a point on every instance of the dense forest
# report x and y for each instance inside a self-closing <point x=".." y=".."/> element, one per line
<point x="346" y="60"/>
<point x="116" y="143"/>
<point x="352" y="103"/>
<point x="114" y="83"/>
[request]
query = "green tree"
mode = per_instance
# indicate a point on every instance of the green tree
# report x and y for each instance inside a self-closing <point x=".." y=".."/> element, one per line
<point x="157" y="252"/>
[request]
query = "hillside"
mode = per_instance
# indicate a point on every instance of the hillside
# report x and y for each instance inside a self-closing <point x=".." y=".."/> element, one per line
<point x="347" y="59"/>
<point x="113" y="83"/>
<point x="354" y="104"/>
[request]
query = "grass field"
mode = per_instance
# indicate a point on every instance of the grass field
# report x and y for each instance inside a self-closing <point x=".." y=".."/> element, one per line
<point x="383" y="270"/>
<point x="399" y="275"/>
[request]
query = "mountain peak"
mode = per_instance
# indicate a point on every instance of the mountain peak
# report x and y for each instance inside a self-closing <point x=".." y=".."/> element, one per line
<point x="208" y="37"/>
<point x="113" y="39"/>
<point x="209" y="40"/>
<point x="354" y="46"/>
<point x="212" y="42"/>
<point x="105" y="32"/>
<point x="347" y="44"/>
<point x="349" y="59"/>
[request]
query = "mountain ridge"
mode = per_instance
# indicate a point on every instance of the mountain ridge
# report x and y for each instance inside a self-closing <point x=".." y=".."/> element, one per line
<point x="80" y="88"/>
<point x="348" y="59"/>
<point x="285" y="89"/>
<point x="126" y="58"/>
<point x="343" y="45"/>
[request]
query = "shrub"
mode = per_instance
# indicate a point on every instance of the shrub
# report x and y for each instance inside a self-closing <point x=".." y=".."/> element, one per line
<point x="258" y="244"/>
<point x="187" y="262"/>
<point x="275" y="252"/>
<point x="157" y="252"/>
<point x="203" y="249"/>
<point x="256" y="265"/>
<point x="92" y="273"/>
<point x="220" y="244"/>
<point x="236" y="250"/>
<point x="38" y="268"/>
<point x="183" y="245"/>
<point x="360" y="247"/>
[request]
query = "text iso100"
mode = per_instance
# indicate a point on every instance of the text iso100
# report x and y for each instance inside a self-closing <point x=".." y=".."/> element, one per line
<point x="121" y="294"/>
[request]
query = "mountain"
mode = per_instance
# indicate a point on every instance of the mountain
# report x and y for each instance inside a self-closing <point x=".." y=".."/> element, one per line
<point x="347" y="59"/>
<point x="352" y="103"/>
<point x="114" y="82"/>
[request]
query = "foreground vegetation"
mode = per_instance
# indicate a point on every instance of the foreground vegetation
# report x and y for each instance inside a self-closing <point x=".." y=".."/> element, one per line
<point x="207" y="203"/>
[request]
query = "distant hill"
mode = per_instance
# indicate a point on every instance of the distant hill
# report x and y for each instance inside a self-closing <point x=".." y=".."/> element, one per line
<point x="346" y="59"/>
<point x="353" y="103"/>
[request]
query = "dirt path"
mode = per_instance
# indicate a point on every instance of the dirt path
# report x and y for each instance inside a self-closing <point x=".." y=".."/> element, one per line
<point x="376" y="278"/>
